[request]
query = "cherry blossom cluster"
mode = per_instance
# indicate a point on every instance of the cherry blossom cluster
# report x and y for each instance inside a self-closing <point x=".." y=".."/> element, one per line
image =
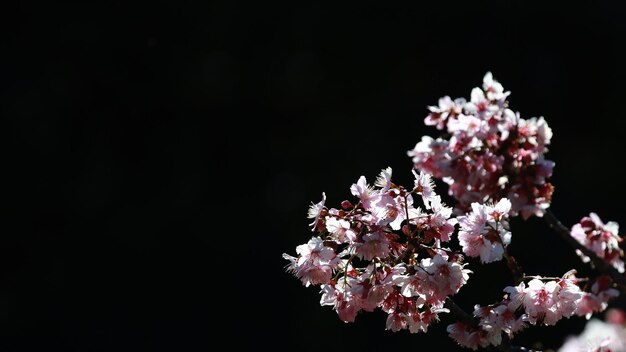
<point x="603" y="239"/>
<point x="541" y="301"/>
<point x="383" y="251"/>
<point x="390" y="247"/>
<point x="491" y="152"/>
<point x="485" y="231"/>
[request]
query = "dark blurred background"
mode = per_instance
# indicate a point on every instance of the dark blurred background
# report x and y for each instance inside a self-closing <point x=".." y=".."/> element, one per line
<point x="160" y="157"/>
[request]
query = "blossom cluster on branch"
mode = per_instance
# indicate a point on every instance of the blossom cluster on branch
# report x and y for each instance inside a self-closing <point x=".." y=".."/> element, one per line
<point x="404" y="251"/>
<point x="491" y="152"/>
<point x="541" y="301"/>
<point x="603" y="239"/>
<point x="384" y="251"/>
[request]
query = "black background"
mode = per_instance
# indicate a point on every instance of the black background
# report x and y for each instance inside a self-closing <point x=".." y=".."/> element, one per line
<point x="160" y="157"/>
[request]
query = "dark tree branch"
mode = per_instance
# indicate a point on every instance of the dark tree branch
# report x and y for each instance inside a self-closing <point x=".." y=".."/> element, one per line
<point x="459" y="313"/>
<point x="599" y="263"/>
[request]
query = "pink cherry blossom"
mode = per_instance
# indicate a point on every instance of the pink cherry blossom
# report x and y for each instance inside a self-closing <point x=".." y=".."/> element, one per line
<point x="373" y="244"/>
<point x="384" y="179"/>
<point x="315" y="262"/>
<point x="441" y="278"/>
<point x="420" y="322"/>
<point x="447" y="109"/>
<point x="397" y="321"/>
<point x="424" y="186"/>
<point x="438" y="225"/>
<point x="493" y="320"/>
<point x="484" y="231"/>
<point x="603" y="239"/>
<point x="508" y="321"/>
<point x="315" y="211"/>
<point x="431" y="155"/>
<point x="493" y="89"/>
<point x="340" y="229"/>
<point x="374" y="285"/>
<point x="341" y="298"/>
<point x="363" y="191"/>
<point x="541" y="302"/>
<point x="517" y="295"/>
<point x="596" y="300"/>
<point x="466" y="336"/>
<point x="479" y="105"/>
<point x="468" y="126"/>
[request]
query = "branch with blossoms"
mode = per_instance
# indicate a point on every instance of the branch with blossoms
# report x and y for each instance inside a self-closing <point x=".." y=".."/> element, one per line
<point x="394" y="248"/>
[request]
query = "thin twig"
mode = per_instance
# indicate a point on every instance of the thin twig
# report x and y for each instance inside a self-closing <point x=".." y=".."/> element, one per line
<point x="531" y="277"/>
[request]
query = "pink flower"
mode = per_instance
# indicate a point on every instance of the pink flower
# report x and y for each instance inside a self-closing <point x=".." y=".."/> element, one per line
<point x="602" y="239"/>
<point x="495" y="319"/>
<point x="484" y="231"/>
<point x="340" y="229"/>
<point x="541" y="302"/>
<point x="469" y="126"/>
<point x="416" y="216"/>
<point x="536" y="133"/>
<point x="508" y="321"/>
<point x="386" y="209"/>
<point x="479" y="105"/>
<point x="547" y="302"/>
<point x="374" y="244"/>
<point x="465" y="335"/>
<point x="396" y="321"/>
<point x="374" y="285"/>
<point x="500" y="211"/>
<point x="596" y="300"/>
<point x="384" y="179"/>
<point x="424" y="186"/>
<point x="419" y="322"/>
<point x="447" y="109"/>
<point x="342" y="300"/>
<point x="431" y="155"/>
<point x="315" y="210"/>
<point x="569" y="296"/>
<point x="441" y="278"/>
<point x="432" y="280"/>
<point x="516" y="295"/>
<point x="363" y="191"/>
<point x="410" y="285"/>
<point x="588" y="305"/>
<point x="494" y="89"/>
<point x="315" y="263"/>
<point x="439" y="225"/>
